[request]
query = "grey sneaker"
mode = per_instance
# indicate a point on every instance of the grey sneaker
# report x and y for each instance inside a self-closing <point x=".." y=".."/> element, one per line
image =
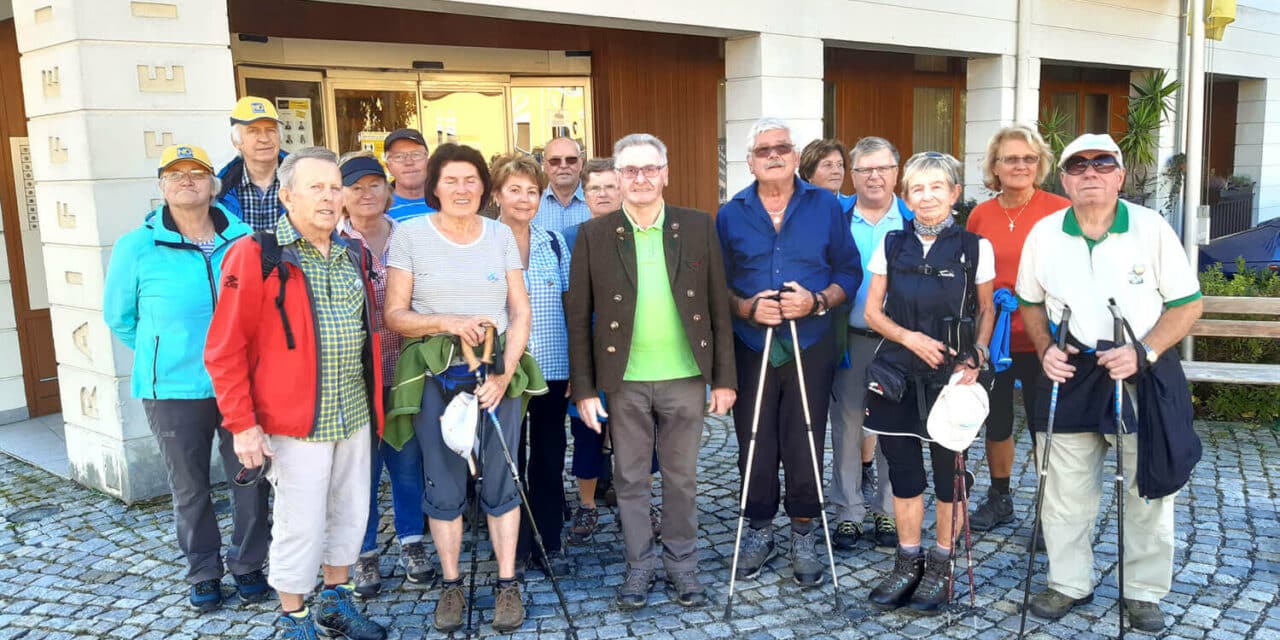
<point x="633" y="593"/>
<point x="869" y="484"/>
<point x="847" y="535"/>
<point x="1052" y="604"/>
<point x="996" y="510"/>
<point x="757" y="549"/>
<point x="806" y="566"/>
<point x="418" y="567"/>
<point x="368" y="578"/>
<point x="1144" y="616"/>
<point x="684" y="588"/>
<point x="886" y="534"/>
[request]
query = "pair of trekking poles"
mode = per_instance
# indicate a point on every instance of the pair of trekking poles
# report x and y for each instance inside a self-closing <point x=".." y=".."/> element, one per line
<point x="1043" y="475"/>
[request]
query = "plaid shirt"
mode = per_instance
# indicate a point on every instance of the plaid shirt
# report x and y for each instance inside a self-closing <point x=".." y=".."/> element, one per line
<point x="259" y="209"/>
<point x="337" y="297"/>
<point x="557" y="217"/>
<point x="390" y="340"/>
<point x="546" y="280"/>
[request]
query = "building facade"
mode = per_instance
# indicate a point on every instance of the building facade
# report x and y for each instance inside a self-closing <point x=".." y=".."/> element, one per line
<point x="94" y="89"/>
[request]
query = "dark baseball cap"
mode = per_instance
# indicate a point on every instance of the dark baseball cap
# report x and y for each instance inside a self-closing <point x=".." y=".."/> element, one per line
<point x="403" y="134"/>
<point x="359" y="167"/>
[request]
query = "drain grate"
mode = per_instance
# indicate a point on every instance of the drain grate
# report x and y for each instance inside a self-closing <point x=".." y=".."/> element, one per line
<point x="31" y="514"/>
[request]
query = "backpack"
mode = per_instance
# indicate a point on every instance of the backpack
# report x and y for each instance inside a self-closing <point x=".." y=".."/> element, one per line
<point x="272" y="254"/>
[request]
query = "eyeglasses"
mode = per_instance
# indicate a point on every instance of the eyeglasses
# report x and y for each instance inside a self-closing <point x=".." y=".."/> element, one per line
<point x="178" y="176"/>
<point x="1013" y="161"/>
<point x="406" y="157"/>
<point x="777" y="149"/>
<point x="249" y="476"/>
<point x="601" y="189"/>
<point x="567" y="161"/>
<point x="1077" y="165"/>
<point x="884" y="171"/>
<point x="832" y="165"/>
<point x="650" y="171"/>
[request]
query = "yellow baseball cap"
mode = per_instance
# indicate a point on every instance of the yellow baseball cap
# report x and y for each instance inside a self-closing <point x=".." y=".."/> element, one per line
<point x="180" y="152"/>
<point x="250" y="108"/>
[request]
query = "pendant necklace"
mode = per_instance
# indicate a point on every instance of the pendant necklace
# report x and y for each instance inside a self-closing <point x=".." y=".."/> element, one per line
<point x="1014" y="218"/>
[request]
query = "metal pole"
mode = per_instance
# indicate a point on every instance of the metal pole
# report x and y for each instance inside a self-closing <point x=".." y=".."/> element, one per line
<point x="1195" y="143"/>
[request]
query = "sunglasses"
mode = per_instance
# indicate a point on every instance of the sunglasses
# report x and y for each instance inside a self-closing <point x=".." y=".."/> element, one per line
<point x="567" y="161"/>
<point x="249" y="476"/>
<point x="777" y="149"/>
<point x="1077" y="165"/>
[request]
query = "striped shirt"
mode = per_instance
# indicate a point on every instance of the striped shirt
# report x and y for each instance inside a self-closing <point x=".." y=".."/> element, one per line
<point x="457" y="279"/>
<point x="259" y="209"/>
<point x="554" y="216"/>
<point x="405" y="209"/>
<point x="546" y="280"/>
<point x="391" y="340"/>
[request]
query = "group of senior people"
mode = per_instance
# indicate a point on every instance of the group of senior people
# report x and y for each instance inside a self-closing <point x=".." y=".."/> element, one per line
<point x="328" y="344"/>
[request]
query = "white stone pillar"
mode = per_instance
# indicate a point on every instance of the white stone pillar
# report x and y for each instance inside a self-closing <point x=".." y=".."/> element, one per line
<point x="1258" y="143"/>
<point x="107" y="86"/>
<point x="989" y="106"/>
<point x="768" y="75"/>
<point x="1165" y="149"/>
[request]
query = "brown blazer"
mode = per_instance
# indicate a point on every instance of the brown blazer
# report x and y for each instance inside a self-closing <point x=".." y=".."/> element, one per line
<point x="602" y="285"/>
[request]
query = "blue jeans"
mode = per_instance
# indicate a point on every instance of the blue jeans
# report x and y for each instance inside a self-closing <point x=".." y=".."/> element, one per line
<point x="404" y="467"/>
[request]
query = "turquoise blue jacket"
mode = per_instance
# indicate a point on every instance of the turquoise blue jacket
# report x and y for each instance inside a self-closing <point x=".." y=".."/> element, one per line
<point x="159" y="299"/>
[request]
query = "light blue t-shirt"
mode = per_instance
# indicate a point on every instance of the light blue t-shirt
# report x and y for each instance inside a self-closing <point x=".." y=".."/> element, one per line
<point x="405" y="209"/>
<point x="868" y="236"/>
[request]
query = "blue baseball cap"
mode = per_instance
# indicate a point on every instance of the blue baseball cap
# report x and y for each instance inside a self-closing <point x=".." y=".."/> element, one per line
<point x="359" y="167"/>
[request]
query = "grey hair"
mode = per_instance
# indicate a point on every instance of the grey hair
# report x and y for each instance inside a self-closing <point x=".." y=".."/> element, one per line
<point x="235" y="135"/>
<point x="290" y="164"/>
<point x="928" y="162"/>
<point x="640" y="140"/>
<point x="870" y="145"/>
<point x="762" y="125"/>
<point x="359" y="153"/>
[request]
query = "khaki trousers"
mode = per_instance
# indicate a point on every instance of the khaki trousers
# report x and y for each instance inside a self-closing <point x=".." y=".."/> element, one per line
<point x="1071" y="497"/>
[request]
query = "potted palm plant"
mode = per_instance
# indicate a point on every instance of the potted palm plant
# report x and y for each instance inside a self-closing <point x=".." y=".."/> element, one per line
<point x="1150" y="106"/>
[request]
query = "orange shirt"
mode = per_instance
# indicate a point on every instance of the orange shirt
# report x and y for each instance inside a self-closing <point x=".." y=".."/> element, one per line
<point x="992" y="222"/>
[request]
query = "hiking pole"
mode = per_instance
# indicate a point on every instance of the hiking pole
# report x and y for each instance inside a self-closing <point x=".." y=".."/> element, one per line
<point x="1043" y="475"/>
<point x="746" y="476"/>
<point x="817" y="474"/>
<point x="524" y="500"/>
<point x="960" y="500"/>
<point x="1118" y="324"/>
<point x="478" y="479"/>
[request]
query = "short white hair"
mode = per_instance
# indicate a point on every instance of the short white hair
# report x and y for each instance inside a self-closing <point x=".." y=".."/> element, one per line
<point x="289" y="165"/>
<point x="640" y="140"/>
<point x="762" y="125"/>
<point x="237" y="136"/>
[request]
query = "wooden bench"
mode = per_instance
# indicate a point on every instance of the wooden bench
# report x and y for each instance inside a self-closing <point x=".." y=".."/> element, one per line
<point x="1236" y="372"/>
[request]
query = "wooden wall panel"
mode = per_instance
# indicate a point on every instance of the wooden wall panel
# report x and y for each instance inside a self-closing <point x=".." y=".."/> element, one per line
<point x="1220" y="129"/>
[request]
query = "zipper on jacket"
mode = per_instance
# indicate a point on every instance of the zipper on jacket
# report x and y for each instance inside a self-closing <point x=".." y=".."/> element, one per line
<point x="155" y="364"/>
<point x="213" y="286"/>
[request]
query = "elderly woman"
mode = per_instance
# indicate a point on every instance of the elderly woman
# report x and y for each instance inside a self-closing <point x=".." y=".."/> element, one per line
<point x="518" y="183"/>
<point x="454" y="274"/>
<point x="366" y="197"/>
<point x="1017" y="162"/>
<point x="930" y="291"/>
<point x="159" y="297"/>
<point x="822" y="165"/>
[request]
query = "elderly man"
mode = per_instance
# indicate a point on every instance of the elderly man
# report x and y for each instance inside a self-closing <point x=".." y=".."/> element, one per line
<point x="649" y="326"/>
<point x="250" y="188"/>
<point x="871" y="213"/>
<point x="297" y="381"/>
<point x="405" y="151"/>
<point x="788" y="257"/>
<point x="563" y="204"/>
<point x="1104" y="248"/>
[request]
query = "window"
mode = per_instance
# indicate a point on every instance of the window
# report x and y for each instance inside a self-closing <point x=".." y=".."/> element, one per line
<point x="932" y="119"/>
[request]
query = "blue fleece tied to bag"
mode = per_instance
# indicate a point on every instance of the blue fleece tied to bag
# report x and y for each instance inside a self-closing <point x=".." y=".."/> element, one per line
<point x="1006" y="303"/>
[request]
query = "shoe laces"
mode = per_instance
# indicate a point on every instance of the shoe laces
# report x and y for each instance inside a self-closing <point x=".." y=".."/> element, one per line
<point x="254" y="577"/>
<point x="935" y="573"/>
<point x="756" y="541"/>
<point x="298" y="628"/>
<point x="804" y="545"/>
<point x="367" y="569"/>
<point x="885" y="524"/>
<point x="207" y="587"/>
<point x="637" y="580"/>
<point x="848" y="528"/>
<point x="684" y="580"/>
<point x="415" y="554"/>
<point x="584" y="518"/>
<point x="343" y="607"/>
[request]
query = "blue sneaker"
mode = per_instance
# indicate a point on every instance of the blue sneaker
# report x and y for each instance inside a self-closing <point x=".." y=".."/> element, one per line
<point x="252" y="586"/>
<point x="294" y="627"/>
<point x="336" y="615"/>
<point x="206" y="595"/>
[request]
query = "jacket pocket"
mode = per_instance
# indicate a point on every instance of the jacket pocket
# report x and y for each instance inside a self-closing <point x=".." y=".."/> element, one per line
<point x="155" y="367"/>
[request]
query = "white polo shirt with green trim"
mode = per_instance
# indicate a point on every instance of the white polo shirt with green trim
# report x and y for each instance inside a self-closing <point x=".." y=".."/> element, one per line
<point x="1139" y="261"/>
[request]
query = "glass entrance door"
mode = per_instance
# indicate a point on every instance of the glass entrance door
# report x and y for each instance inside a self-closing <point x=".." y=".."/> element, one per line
<point x="474" y="114"/>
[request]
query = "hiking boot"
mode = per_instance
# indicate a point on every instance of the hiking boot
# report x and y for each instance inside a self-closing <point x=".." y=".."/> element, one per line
<point x="896" y="588"/>
<point x="846" y="536"/>
<point x="206" y="595"/>
<point x="869" y="484"/>
<point x="293" y="627"/>
<point x="336" y="614"/>
<point x="418" y="567"/>
<point x="1052" y="604"/>
<point x="996" y="510"/>
<point x="683" y="587"/>
<point x="655" y="521"/>
<point x="584" y="525"/>
<point x="757" y="549"/>
<point x="886" y="534"/>
<point x="368" y="578"/>
<point x="252" y="586"/>
<point x="508" y="608"/>
<point x="934" y="589"/>
<point x="560" y="564"/>
<point x="1144" y="616"/>
<point x="450" y="607"/>
<point x="633" y="593"/>
<point x="806" y="566"/>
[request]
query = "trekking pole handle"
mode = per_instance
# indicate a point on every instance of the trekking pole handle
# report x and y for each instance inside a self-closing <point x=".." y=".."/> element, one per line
<point x="1063" y="326"/>
<point x="1117" y="321"/>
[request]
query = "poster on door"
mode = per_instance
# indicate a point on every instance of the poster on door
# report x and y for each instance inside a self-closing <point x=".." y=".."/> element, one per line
<point x="295" y="123"/>
<point x="372" y="141"/>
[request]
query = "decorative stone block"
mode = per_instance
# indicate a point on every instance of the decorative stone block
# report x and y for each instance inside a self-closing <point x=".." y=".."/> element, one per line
<point x="82" y="340"/>
<point x="49" y="79"/>
<point x="96" y="214"/>
<point x="172" y="79"/>
<point x="164" y="10"/>
<point x="100" y="403"/>
<point x="45" y="23"/>
<point x="75" y="275"/>
<point x="113" y="144"/>
<point x="131" y="470"/>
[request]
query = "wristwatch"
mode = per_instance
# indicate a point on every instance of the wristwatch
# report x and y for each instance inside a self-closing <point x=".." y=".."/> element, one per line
<point x="1152" y="356"/>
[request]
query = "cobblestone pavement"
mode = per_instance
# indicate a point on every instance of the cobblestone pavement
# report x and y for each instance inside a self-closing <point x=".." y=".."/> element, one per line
<point x="87" y="566"/>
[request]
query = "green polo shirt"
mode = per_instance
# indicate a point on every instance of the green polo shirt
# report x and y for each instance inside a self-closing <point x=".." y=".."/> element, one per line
<point x="337" y="297"/>
<point x="659" y="346"/>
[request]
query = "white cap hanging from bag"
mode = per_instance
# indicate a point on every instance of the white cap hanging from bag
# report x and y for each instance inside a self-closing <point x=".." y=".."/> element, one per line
<point x="458" y="427"/>
<point x="958" y="414"/>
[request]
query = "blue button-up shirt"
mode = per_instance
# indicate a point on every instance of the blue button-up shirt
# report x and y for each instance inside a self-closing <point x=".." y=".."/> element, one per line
<point x="557" y="217"/>
<point x="867" y="237"/>
<point x="813" y="247"/>
<point x="546" y="280"/>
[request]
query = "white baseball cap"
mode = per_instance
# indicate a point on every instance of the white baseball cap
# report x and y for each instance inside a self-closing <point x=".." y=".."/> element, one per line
<point x="458" y="427"/>
<point x="1091" y="142"/>
<point x="958" y="414"/>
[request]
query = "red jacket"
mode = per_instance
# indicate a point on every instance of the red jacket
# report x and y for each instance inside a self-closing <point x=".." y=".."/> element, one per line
<point x="257" y="377"/>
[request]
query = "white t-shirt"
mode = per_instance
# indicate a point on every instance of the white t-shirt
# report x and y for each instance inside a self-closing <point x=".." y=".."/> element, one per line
<point x="986" y="259"/>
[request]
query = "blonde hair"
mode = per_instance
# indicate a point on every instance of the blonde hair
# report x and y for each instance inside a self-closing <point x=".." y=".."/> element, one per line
<point x="517" y="164"/>
<point x="1016" y="132"/>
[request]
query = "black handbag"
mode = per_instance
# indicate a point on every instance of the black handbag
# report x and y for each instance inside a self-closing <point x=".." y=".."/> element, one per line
<point x="886" y="380"/>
